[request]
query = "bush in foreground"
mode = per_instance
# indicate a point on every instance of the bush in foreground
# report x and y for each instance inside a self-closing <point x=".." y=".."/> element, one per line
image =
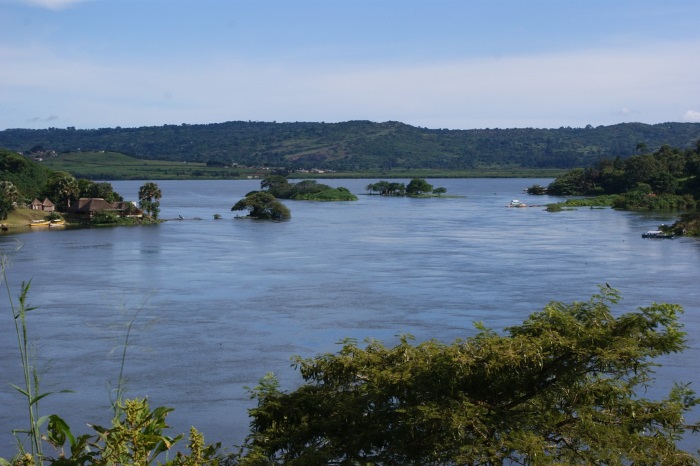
<point x="562" y="388"/>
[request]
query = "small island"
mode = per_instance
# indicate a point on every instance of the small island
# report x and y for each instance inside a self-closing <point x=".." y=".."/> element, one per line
<point x="264" y="204"/>
<point x="417" y="187"/>
<point x="306" y="190"/>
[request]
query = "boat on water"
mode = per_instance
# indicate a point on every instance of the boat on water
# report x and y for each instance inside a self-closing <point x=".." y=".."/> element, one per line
<point x="657" y="234"/>
<point x="516" y="203"/>
<point x="58" y="222"/>
<point x="39" y="223"/>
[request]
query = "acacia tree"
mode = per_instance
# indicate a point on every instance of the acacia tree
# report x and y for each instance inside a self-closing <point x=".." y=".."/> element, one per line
<point x="263" y="205"/>
<point x="386" y="188"/>
<point x="149" y="197"/>
<point x="418" y="186"/>
<point x="565" y="387"/>
<point x="277" y="185"/>
<point x="440" y="191"/>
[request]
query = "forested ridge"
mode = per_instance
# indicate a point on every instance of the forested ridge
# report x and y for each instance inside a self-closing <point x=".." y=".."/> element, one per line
<point x="361" y="145"/>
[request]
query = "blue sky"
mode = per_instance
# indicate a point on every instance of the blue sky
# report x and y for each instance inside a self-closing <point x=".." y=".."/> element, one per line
<point x="457" y="64"/>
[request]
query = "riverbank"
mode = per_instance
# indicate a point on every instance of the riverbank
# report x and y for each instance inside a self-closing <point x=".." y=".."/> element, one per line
<point x="18" y="221"/>
<point x="20" y="218"/>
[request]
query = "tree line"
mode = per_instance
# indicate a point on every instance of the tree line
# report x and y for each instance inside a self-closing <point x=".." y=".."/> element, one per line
<point x="360" y="145"/>
<point x="416" y="187"/>
<point x="666" y="179"/>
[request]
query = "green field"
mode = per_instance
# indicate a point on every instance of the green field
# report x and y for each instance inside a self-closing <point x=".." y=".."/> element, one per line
<point x="116" y="166"/>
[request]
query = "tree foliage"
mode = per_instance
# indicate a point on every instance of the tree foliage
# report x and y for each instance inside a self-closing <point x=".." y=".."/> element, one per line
<point x="666" y="179"/>
<point x="361" y="145"/>
<point x="27" y="176"/>
<point x="62" y="188"/>
<point x="9" y="195"/>
<point x="102" y="190"/>
<point x="306" y="190"/>
<point x="565" y="387"/>
<point x="264" y="206"/>
<point x="387" y="188"/>
<point x="418" y="186"/>
<point x="149" y="199"/>
<point x="137" y="436"/>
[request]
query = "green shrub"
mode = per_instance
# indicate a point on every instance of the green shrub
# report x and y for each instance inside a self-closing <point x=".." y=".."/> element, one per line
<point x="105" y="218"/>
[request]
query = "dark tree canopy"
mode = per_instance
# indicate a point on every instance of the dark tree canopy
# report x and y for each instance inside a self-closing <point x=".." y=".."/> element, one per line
<point x="305" y="190"/>
<point x="361" y="145"/>
<point x="565" y="387"/>
<point x="63" y="189"/>
<point x="418" y="186"/>
<point x="668" y="171"/>
<point x="666" y="179"/>
<point x="26" y="175"/>
<point x="263" y="205"/>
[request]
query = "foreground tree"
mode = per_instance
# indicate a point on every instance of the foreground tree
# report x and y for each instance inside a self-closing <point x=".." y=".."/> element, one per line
<point x="565" y="387"/>
<point x="149" y="199"/>
<point x="263" y="205"/>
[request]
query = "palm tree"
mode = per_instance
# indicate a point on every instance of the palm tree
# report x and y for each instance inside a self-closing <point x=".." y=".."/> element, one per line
<point x="149" y="195"/>
<point x="62" y="188"/>
<point x="68" y="188"/>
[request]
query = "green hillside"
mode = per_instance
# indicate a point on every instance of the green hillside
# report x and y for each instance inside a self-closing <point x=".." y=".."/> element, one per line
<point x="361" y="145"/>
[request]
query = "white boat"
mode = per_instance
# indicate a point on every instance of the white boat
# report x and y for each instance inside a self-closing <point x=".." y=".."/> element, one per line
<point x="657" y="234"/>
<point x="516" y="203"/>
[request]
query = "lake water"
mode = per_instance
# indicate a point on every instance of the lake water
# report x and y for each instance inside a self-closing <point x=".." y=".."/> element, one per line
<point x="222" y="302"/>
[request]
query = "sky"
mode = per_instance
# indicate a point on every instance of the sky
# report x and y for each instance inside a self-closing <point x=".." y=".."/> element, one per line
<point x="455" y="64"/>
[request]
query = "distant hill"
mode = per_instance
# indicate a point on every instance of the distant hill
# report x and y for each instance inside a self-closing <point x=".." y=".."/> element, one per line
<point x="361" y="145"/>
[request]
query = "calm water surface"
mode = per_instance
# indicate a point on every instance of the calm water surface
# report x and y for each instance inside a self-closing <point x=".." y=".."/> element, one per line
<point x="222" y="302"/>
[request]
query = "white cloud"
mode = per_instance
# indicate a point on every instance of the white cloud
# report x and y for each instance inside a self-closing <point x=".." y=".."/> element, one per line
<point x="691" y="116"/>
<point x="627" y="111"/>
<point x="572" y="89"/>
<point x="53" y="4"/>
